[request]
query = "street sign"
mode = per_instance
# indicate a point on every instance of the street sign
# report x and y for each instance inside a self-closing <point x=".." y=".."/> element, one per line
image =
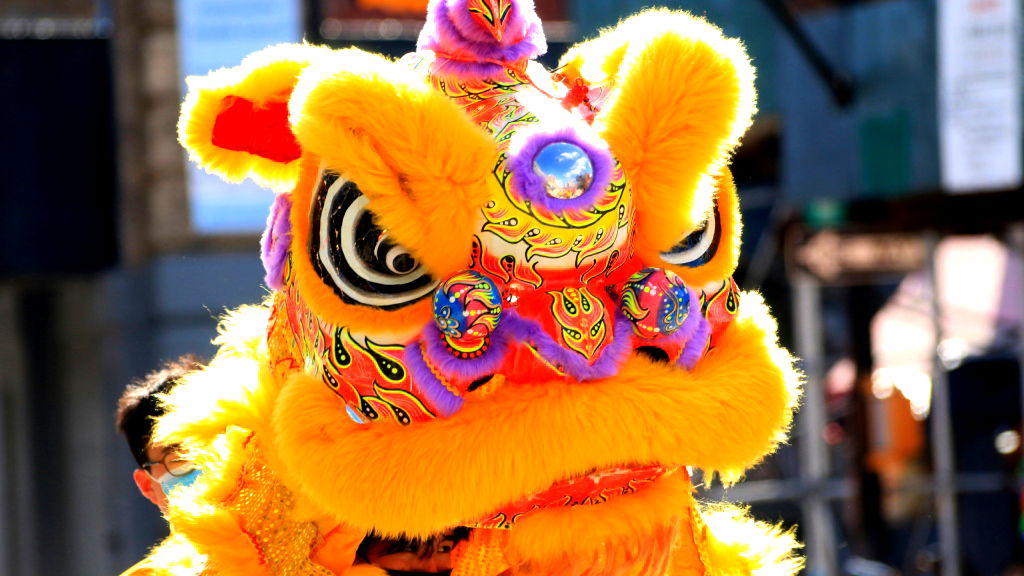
<point x="838" y="257"/>
<point x="979" y="93"/>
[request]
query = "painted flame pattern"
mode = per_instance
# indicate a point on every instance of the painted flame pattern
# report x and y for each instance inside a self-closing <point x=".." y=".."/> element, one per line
<point x="582" y="318"/>
<point x="369" y="377"/>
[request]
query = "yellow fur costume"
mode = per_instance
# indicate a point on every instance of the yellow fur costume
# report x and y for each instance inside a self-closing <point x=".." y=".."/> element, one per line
<point x="502" y="300"/>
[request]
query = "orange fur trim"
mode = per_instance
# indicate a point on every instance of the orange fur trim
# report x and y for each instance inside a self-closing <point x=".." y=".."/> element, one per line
<point x="240" y="500"/>
<point x="229" y="391"/>
<point x="216" y="533"/>
<point x="224" y="464"/>
<point x="724" y="262"/>
<point x="682" y="95"/>
<point x="207" y="402"/>
<point x="561" y="536"/>
<point x="421" y="161"/>
<point x="175" y="555"/>
<point x="263" y="77"/>
<point x="197" y="512"/>
<point x="205" y="413"/>
<point x="321" y="298"/>
<point x="733" y="408"/>
<point x="739" y="545"/>
<point x="338" y="549"/>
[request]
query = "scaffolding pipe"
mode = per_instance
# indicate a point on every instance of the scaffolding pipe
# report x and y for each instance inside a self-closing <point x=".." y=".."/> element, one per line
<point x="942" y="428"/>
<point x="1015" y="239"/>
<point x="839" y="84"/>
<point x="817" y="518"/>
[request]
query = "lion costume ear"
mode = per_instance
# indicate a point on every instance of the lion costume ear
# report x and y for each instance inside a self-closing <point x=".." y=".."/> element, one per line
<point x="234" y="122"/>
<point x="680" y="97"/>
<point x="424" y="165"/>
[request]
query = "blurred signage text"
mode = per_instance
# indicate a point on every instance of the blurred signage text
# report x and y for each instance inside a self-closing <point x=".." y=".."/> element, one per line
<point x="835" y="257"/>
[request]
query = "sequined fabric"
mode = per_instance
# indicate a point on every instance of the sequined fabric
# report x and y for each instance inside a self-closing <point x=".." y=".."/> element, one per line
<point x="264" y="507"/>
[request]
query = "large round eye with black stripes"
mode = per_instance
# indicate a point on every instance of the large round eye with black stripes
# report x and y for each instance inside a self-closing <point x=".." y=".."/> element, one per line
<point x="356" y="257"/>
<point x="699" y="246"/>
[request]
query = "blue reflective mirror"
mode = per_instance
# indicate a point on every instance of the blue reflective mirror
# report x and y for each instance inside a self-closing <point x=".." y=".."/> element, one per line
<point x="566" y="169"/>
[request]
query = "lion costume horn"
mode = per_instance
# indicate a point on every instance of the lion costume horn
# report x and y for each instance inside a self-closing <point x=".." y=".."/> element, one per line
<point x="502" y="300"/>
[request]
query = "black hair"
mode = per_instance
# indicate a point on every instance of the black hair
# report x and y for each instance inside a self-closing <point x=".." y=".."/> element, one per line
<point x="417" y="546"/>
<point x="139" y="406"/>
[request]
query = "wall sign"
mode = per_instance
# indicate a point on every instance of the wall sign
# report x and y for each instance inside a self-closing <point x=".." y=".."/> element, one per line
<point x="979" y="94"/>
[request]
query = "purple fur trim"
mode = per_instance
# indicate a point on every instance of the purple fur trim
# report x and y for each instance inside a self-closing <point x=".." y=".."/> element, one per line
<point x="571" y="362"/>
<point x="696" y="345"/>
<point x="445" y="68"/>
<point x="529" y="185"/>
<point x="470" y="368"/>
<point x="441" y="36"/>
<point x="692" y="335"/>
<point x="429" y="386"/>
<point x="694" y="319"/>
<point x="457" y="40"/>
<point x="276" y="241"/>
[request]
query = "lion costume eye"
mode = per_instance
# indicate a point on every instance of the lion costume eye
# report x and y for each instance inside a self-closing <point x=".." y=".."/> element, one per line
<point x="699" y="246"/>
<point x="354" y="256"/>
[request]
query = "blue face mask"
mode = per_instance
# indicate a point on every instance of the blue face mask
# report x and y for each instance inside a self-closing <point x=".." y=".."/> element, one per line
<point x="168" y="482"/>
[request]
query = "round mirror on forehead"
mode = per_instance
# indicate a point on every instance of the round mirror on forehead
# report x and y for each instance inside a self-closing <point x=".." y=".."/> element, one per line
<point x="566" y="169"/>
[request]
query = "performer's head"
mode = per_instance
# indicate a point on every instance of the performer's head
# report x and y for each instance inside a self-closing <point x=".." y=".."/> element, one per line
<point x="405" y="556"/>
<point x="160" y="467"/>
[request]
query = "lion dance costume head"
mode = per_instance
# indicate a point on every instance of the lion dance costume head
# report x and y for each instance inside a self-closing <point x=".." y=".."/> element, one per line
<point x="502" y="300"/>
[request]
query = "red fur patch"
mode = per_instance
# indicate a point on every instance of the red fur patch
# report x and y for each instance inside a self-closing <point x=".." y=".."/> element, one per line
<point x="234" y="129"/>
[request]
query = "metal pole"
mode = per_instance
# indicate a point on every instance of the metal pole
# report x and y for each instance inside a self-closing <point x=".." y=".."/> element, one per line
<point x="942" y="429"/>
<point x="17" y="519"/>
<point x="1015" y="239"/>
<point x="838" y="83"/>
<point x="817" y="517"/>
<point x="7" y="526"/>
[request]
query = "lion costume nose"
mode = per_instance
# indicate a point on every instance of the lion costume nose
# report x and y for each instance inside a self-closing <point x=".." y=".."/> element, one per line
<point x="666" y="315"/>
<point x="467" y="309"/>
<point x="656" y="301"/>
<point x="484" y="326"/>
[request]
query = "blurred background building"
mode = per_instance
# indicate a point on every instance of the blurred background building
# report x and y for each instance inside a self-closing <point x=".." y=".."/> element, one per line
<point x="881" y="190"/>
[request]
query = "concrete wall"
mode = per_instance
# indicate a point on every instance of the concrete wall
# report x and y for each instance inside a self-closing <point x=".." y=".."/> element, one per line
<point x="68" y="347"/>
<point x="69" y="344"/>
